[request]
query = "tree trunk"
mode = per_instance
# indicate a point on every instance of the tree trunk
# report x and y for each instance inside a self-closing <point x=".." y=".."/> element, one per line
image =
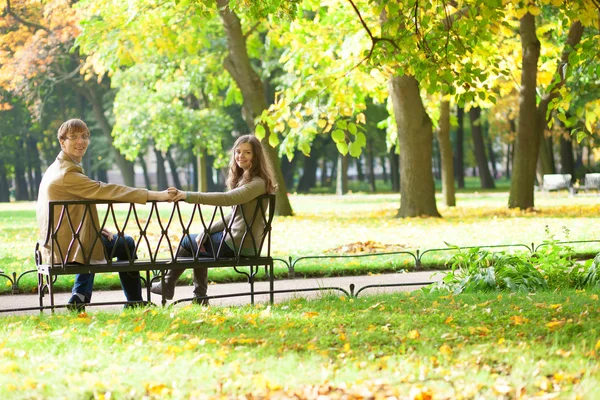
<point x="173" y="168"/>
<point x="533" y="120"/>
<point x="394" y="169"/>
<point x="436" y="161"/>
<point x="4" y="188"/>
<point x="545" y="163"/>
<point x="102" y="174"/>
<point x="384" y="169"/>
<point x="21" y="192"/>
<point x="459" y="156"/>
<point x="125" y="166"/>
<point x="334" y="166"/>
<point x="490" y="150"/>
<point x="567" y="161"/>
<point x="237" y="63"/>
<point x="288" y="168"/>
<point x="359" y="169"/>
<point x="309" y="175"/>
<point x="145" y="171"/>
<point x="341" y="179"/>
<point x="211" y="184"/>
<point x="324" y="175"/>
<point x="161" y="173"/>
<point x="527" y="145"/>
<point x="202" y="172"/>
<point x="509" y="151"/>
<point x="447" y="161"/>
<point x="371" y="162"/>
<point x="33" y="157"/>
<point x="487" y="182"/>
<point x="417" y="190"/>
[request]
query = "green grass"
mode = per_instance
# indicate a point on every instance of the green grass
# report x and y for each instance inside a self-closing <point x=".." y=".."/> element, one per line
<point x="405" y="345"/>
<point x="323" y="223"/>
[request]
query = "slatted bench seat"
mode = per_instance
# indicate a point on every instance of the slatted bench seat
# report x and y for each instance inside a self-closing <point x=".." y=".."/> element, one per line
<point x="157" y="252"/>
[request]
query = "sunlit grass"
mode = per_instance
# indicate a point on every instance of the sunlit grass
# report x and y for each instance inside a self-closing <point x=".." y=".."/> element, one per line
<point x="475" y="346"/>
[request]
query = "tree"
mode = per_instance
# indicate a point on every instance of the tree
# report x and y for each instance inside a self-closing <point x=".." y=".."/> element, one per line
<point x="37" y="40"/>
<point x="534" y="118"/>
<point x="487" y="182"/>
<point x="448" y="191"/>
<point x="185" y="45"/>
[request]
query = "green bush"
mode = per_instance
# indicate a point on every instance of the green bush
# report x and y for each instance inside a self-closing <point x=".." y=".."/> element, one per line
<point x="551" y="266"/>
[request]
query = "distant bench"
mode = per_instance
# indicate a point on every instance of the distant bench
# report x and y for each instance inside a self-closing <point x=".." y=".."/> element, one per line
<point x="590" y="182"/>
<point x="172" y="230"/>
<point x="556" y="182"/>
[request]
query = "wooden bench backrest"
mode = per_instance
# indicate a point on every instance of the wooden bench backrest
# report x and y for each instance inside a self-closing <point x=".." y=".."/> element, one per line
<point x="134" y="225"/>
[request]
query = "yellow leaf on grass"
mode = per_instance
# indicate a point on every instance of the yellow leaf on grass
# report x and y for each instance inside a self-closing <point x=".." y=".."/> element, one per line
<point x="414" y="334"/>
<point x="346" y="347"/>
<point x="310" y="314"/>
<point x="157" y="389"/>
<point x="445" y="350"/>
<point x="449" y="319"/>
<point x="419" y="393"/>
<point x="597" y="345"/>
<point x="594" y="297"/>
<point x="555" y="325"/>
<point x="502" y="387"/>
<point x="561" y="352"/>
<point x="518" y="320"/>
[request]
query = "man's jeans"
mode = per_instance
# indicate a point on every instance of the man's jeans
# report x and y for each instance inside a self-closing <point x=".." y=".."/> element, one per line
<point x="130" y="281"/>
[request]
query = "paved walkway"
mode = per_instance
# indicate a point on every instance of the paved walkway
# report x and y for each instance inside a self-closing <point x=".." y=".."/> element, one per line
<point x="31" y="300"/>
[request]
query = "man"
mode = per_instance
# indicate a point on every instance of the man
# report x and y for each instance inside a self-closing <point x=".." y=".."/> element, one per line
<point x="64" y="180"/>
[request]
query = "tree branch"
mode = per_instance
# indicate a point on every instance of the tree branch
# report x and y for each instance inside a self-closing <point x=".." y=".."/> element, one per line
<point x="251" y="30"/>
<point x="30" y="24"/>
<point x="374" y="39"/>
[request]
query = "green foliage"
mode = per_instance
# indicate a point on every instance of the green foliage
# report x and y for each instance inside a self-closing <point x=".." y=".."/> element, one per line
<point x="551" y="266"/>
<point x="592" y="278"/>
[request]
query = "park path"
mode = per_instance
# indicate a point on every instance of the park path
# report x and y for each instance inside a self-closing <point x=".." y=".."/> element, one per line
<point x="31" y="300"/>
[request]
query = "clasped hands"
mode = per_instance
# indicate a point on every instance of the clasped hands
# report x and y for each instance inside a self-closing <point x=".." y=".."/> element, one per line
<point x="170" y="195"/>
<point x="176" y="194"/>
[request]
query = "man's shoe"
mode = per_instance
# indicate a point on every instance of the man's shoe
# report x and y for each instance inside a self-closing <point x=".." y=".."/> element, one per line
<point x="158" y="289"/>
<point x="200" y="301"/>
<point x="76" y="304"/>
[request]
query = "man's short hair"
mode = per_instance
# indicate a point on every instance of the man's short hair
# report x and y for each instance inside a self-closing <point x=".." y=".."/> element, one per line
<point x="72" y="126"/>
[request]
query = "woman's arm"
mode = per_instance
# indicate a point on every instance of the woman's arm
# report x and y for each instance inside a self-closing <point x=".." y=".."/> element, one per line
<point x="240" y="195"/>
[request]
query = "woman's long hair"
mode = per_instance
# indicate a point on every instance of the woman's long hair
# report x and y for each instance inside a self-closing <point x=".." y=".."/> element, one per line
<point x="260" y="166"/>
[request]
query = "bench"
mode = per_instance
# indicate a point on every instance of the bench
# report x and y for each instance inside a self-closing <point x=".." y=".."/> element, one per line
<point x="590" y="182"/>
<point x="157" y="252"/>
<point x="556" y="182"/>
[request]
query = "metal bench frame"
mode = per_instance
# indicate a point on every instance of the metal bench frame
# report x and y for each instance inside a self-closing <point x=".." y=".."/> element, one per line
<point x="58" y="265"/>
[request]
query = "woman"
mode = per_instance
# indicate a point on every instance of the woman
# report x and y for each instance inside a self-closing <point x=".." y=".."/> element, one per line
<point x="250" y="175"/>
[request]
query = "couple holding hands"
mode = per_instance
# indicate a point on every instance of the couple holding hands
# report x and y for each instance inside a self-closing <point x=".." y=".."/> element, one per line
<point x="249" y="176"/>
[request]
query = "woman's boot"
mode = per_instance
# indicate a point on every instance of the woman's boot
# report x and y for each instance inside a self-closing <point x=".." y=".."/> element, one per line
<point x="168" y="291"/>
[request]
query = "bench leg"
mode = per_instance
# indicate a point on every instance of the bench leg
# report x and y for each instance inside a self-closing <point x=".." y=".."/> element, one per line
<point x="51" y="291"/>
<point x="41" y="291"/>
<point x="163" y="284"/>
<point x="271" y="283"/>
<point x="251" y="281"/>
<point x="148" y="286"/>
